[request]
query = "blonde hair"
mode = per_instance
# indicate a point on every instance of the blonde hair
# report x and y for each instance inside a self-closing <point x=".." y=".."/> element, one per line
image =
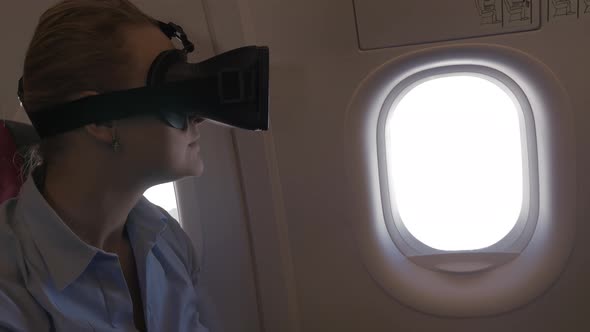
<point x="77" y="46"/>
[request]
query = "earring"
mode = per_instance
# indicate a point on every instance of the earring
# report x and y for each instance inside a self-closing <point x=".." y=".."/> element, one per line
<point x="115" y="144"/>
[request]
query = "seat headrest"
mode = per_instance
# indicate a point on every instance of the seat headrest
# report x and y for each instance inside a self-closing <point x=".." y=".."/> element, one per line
<point x="11" y="161"/>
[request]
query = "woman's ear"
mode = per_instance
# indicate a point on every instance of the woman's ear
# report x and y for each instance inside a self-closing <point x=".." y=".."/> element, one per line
<point x="104" y="132"/>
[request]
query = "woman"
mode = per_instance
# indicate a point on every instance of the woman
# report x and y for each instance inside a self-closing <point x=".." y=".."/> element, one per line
<point x="80" y="248"/>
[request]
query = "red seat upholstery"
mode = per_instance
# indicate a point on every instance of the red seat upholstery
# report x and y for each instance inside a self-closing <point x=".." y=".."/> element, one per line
<point x="10" y="165"/>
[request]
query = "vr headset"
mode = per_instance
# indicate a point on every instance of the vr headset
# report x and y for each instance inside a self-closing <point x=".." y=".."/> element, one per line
<point x="230" y="88"/>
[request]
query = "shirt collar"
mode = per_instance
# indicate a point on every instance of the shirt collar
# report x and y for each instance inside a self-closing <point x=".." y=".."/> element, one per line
<point x="64" y="253"/>
<point x="146" y="222"/>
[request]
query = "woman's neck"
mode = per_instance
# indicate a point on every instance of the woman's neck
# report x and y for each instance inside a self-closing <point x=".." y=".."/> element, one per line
<point x="91" y="201"/>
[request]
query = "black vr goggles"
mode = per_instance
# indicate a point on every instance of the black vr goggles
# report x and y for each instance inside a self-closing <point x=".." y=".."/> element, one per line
<point x="230" y="88"/>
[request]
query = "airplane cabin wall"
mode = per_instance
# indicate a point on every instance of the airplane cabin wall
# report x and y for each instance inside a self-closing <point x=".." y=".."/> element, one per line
<point x="316" y="65"/>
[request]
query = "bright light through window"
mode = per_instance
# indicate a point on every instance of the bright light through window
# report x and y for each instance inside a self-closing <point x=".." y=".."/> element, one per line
<point x="164" y="196"/>
<point x="454" y="159"/>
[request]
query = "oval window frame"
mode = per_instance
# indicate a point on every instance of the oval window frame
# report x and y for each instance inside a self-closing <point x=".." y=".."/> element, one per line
<point x="485" y="292"/>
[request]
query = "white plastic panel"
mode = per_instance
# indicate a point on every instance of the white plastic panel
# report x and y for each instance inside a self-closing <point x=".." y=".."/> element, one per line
<point x="398" y="23"/>
<point x="213" y="213"/>
<point x="315" y="69"/>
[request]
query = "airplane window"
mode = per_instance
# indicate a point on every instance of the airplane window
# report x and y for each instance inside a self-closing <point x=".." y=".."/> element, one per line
<point x="462" y="175"/>
<point x="455" y="161"/>
<point x="164" y="196"/>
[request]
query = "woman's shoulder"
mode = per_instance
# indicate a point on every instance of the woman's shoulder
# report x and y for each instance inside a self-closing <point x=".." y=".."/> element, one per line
<point x="10" y="249"/>
<point x="178" y="240"/>
<point x="175" y="233"/>
<point x="12" y="263"/>
<point x="16" y="304"/>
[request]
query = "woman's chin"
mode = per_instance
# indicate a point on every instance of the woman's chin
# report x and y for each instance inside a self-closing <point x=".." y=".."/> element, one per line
<point x="198" y="169"/>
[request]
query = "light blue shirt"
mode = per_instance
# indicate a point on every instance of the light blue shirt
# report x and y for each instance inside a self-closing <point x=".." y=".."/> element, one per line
<point x="50" y="280"/>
